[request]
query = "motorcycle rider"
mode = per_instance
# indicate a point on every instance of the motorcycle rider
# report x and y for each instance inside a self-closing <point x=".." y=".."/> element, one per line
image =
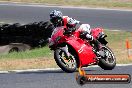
<point x="70" y="24"/>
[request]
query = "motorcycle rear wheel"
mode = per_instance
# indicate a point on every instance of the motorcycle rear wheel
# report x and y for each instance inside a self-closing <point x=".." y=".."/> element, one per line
<point x="109" y="62"/>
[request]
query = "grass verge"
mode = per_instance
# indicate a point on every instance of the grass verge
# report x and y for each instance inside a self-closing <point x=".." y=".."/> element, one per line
<point x="88" y="3"/>
<point x="43" y="57"/>
<point x="117" y="42"/>
<point x="35" y="53"/>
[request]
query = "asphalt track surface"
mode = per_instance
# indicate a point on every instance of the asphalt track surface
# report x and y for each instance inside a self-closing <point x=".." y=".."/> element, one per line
<point x="110" y="19"/>
<point x="58" y="79"/>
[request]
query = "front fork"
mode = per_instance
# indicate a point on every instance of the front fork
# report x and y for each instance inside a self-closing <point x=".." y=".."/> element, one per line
<point x="65" y="49"/>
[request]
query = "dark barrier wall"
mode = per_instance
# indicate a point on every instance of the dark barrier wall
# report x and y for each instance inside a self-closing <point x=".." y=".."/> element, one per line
<point x="34" y="34"/>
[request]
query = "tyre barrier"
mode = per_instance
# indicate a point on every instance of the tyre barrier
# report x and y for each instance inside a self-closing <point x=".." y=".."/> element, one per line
<point x="14" y="47"/>
<point x="34" y="34"/>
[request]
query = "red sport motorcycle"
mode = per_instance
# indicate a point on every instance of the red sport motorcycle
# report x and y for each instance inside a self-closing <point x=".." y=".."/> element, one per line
<point x="72" y="52"/>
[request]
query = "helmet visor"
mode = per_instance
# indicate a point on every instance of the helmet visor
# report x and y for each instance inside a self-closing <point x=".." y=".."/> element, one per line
<point x="55" y="20"/>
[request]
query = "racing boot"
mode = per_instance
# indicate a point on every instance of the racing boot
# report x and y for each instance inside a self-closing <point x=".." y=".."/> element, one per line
<point x="97" y="45"/>
<point x="99" y="50"/>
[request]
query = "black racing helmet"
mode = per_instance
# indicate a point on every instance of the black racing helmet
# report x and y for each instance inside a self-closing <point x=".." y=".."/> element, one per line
<point x="56" y="17"/>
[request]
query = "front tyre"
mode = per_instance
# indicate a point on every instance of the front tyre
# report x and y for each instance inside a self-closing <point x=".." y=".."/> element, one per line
<point x="108" y="62"/>
<point x="67" y="64"/>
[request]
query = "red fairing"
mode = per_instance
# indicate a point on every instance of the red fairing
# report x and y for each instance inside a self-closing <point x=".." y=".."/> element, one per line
<point x="95" y="32"/>
<point x="58" y="32"/>
<point x="85" y="53"/>
<point x="83" y="48"/>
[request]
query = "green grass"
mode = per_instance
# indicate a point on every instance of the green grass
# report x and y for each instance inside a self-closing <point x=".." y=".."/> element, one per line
<point x="89" y="3"/>
<point x="117" y="42"/>
<point x="35" y="53"/>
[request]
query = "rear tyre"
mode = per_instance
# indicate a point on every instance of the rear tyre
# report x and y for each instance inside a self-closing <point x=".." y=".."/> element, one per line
<point x="109" y="61"/>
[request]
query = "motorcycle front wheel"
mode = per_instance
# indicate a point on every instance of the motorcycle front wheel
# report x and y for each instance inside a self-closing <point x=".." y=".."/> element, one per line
<point x="108" y="62"/>
<point x="67" y="64"/>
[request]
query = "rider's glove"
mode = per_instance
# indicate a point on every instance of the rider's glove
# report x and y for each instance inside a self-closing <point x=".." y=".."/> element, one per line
<point x="69" y="30"/>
